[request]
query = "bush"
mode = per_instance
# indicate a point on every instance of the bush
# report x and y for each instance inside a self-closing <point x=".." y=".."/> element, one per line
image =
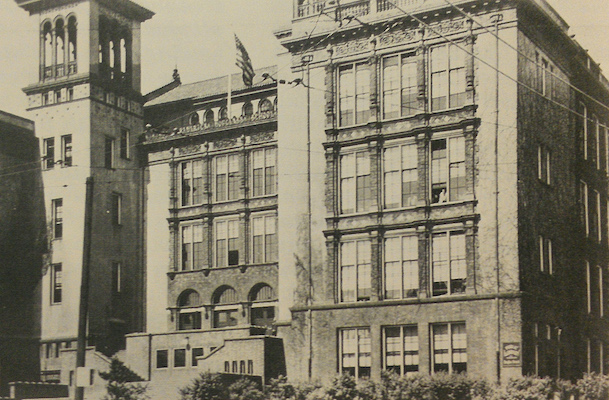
<point x="121" y="383"/>
<point x="528" y="388"/>
<point x="593" y="387"/>
<point x="245" y="389"/>
<point x="206" y="386"/>
<point x="342" y="388"/>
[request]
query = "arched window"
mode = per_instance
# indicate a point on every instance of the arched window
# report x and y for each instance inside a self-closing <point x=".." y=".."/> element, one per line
<point x="224" y="295"/>
<point x="262" y="313"/>
<point x="248" y="109"/>
<point x="223" y="114"/>
<point x="194" y="119"/>
<point x="189" y="319"/>
<point x="226" y="310"/>
<point x="275" y="103"/>
<point x="72" y="48"/>
<point x="209" y="117"/>
<point x="47" y="48"/>
<point x="123" y="50"/>
<point x="111" y="57"/>
<point x="262" y="292"/>
<point x="59" y="44"/>
<point x="265" y="106"/>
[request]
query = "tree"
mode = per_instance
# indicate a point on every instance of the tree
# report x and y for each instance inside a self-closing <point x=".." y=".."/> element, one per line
<point x="206" y="386"/>
<point x="122" y="383"/>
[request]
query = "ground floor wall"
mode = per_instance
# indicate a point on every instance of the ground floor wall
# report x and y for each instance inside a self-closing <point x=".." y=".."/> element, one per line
<point x="479" y="334"/>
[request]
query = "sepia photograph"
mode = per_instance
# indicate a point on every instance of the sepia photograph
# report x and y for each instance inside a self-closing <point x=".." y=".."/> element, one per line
<point x="304" y="200"/>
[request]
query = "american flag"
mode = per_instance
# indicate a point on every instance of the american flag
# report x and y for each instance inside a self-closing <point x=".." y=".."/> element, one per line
<point x="244" y="62"/>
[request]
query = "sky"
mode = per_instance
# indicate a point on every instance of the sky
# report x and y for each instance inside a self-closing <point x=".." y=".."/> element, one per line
<point x="197" y="37"/>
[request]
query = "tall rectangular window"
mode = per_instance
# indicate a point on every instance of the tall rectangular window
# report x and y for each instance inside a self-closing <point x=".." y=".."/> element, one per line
<point x="400" y="89"/>
<point x="48" y="148"/>
<point x="196" y="352"/>
<point x="583" y="121"/>
<point x="264" y="175"/>
<point x="57" y="218"/>
<point x="227" y="177"/>
<point x="448" y="170"/>
<point x="66" y="150"/>
<point x="179" y="358"/>
<point x="583" y="200"/>
<point x="543" y="164"/>
<point x="449" y="343"/>
<point x="401" y="267"/>
<point x="598" y="216"/>
<point x="588" y="288"/>
<point x="162" y="358"/>
<point x="116" y="208"/>
<point x="401" y="344"/>
<point x="447" y="65"/>
<point x="264" y="238"/>
<point x="354" y="352"/>
<point x="401" y="176"/>
<point x="355" y="271"/>
<point x="192" y="183"/>
<point x="56" y="283"/>
<point x="125" y="143"/>
<point x="227" y="237"/>
<point x="354" y="94"/>
<point x="546" y="257"/>
<point x="116" y="277"/>
<point x="595" y="217"/>
<point x="597" y="144"/>
<point x="601" y="292"/>
<point x="355" y="182"/>
<point x="109" y="152"/>
<point x="449" y="270"/>
<point x="192" y="247"/>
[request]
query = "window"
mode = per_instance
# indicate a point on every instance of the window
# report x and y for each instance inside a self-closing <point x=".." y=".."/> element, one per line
<point x="583" y="121"/>
<point x="194" y="119"/>
<point x="264" y="239"/>
<point x="209" y="117"/>
<point x="250" y="367"/>
<point x="546" y="256"/>
<point x="227" y="237"/>
<point x="192" y="183"/>
<point x="192" y="247"/>
<point x="189" y="319"/>
<point x="355" y="185"/>
<point x="449" y="271"/>
<point x="57" y="218"/>
<point x="125" y="143"/>
<point x="223" y="114"/>
<point x="57" y="96"/>
<point x="162" y="358"/>
<point x="226" y="366"/>
<point x="588" y="287"/>
<point x="449" y="343"/>
<point x="401" y="345"/>
<point x="49" y="153"/>
<point x="91" y="377"/>
<point x="116" y="277"/>
<point x="355" y="271"/>
<point x="400" y="89"/>
<point x="595" y="215"/>
<point x="401" y="267"/>
<point x="116" y="208"/>
<point x="265" y="105"/>
<point x="597" y="144"/>
<point x="248" y="109"/>
<point x="196" y="352"/>
<point x="227" y="177"/>
<point x="66" y="150"/>
<point x="354" y="94"/>
<point x="543" y="164"/>
<point x="264" y="174"/>
<point x="225" y="318"/>
<point x="447" y="77"/>
<point x="179" y="358"/>
<point x="583" y="199"/>
<point x="225" y="312"/>
<point x="263" y="316"/>
<point x="601" y="294"/>
<point x="448" y="170"/>
<point x="109" y="152"/>
<point x="401" y="176"/>
<point x="354" y="357"/>
<point x="56" y="283"/>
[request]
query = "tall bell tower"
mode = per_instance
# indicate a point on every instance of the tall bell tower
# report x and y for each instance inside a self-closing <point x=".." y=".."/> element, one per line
<point x="87" y="107"/>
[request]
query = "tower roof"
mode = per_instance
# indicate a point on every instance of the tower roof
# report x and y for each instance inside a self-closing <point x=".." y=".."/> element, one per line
<point x="125" y="7"/>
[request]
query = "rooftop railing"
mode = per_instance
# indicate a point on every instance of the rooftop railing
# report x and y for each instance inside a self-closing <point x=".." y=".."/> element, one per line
<point x="346" y="8"/>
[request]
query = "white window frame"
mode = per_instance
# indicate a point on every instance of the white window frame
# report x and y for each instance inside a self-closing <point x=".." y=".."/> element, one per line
<point x="230" y="168"/>
<point x="452" y="348"/>
<point x="449" y="69"/>
<point x="48" y="147"/>
<point x="267" y="163"/>
<point x="351" y="171"/>
<point x="451" y="270"/>
<point x="385" y="92"/>
<point x="403" y="348"/>
<point x="401" y="261"/>
<point x="269" y="228"/>
<point x="354" y="92"/>
<point x="66" y="151"/>
<point x="192" y="170"/>
<point x="585" y="129"/>
<point x="57" y="217"/>
<point x="230" y="232"/>
<point x="125" y="143"/>
<point x="588" y="287"/>
<point x="191" y="228"/>
<point x="584" y="189"/>
<point x="116" y="208"/>
<point x="395" y="171"/>
<point x="362" y="358"/>
<point x="452" y="160"/>
<point x="56" y="271"/>
<point x="601" y="294"/>
<point x="544" y="160"/>
<point x="546" y="249"/>
<point x="362" y="280"/>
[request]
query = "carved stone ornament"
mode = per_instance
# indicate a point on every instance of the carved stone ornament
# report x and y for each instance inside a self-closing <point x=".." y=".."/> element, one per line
<point x="446" y="28"/>
<point x="262" y="137"/>
<point x="189" y="149"/>
<point x="354" y="46"/>
<point x="392" y="38"/>
<point x="224" y="143"/>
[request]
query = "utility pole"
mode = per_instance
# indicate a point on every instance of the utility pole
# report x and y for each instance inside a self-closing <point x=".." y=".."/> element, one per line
<point x="79" y="392"/>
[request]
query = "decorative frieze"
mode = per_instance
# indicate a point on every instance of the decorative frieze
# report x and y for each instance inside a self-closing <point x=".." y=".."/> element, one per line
<point x="189" y="149"/>
<point x="262" y="137"/>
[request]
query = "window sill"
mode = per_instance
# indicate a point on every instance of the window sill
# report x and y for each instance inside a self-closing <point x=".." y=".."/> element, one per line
<point x="207" y="270"/>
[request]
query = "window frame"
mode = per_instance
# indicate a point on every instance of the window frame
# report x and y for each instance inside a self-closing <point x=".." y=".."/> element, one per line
<point x="412" y="292"/>
<point x="227" y="238"/>
<point x="116" y="208"/>
<point x="48" y="155"/>
<point x="117" y="282"/>
<point x="353" y="94"/>
<point x="359" y="355"/>
<point x="192" y="227"/>
<point x="125" y="143"/>
<point x="268" y="255"/>
<point x="400" y="85"/>
<point x="451" y="194"/>
<point x="56" y="283"/>
<point x="232" y="176"/>
<point x="450" y="289"/>
<point x="183" y="358"/>
<point x="66" y="151"/>
<point x="159" y="353"/>
<point x="57" y="218"/>
<point x="192" y="182"/>
<point x="358" y="193"/>
<point x="449" y="70"/>
<point x="109" y="152"/>
<point x="403" y="169"/>
<point x="544" y="171"/>
<point x="359" y="269"/>
<point x="451" y="346"/>
<point x="546" y="255"/>
<point x="402" y="349"/>
<point x="268" y="172"/>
